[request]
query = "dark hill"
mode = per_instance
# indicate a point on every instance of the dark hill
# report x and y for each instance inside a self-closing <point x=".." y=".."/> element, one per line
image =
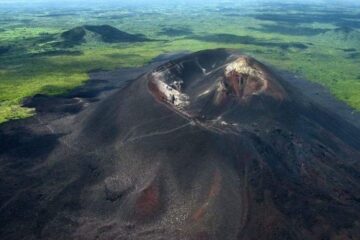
<point x="75" y="35"/>
<point x="212" y="145"/>
<point x="107" y="33"/>
<point x="345" y="37"/>
<point x="111" y="34"/>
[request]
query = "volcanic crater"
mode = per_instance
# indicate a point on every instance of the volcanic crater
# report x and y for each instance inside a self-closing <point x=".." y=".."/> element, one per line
<point x="211" y="93"/>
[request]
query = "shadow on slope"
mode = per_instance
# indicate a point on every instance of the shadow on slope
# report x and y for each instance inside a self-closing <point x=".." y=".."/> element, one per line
<point x="248" y="40"/>
<point x="288" y="29"/>
<point x="175" y="32"/>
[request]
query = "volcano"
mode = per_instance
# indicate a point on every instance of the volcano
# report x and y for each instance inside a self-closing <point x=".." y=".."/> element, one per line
<point x="103" y="33"/>
<point x="211" y="145"/>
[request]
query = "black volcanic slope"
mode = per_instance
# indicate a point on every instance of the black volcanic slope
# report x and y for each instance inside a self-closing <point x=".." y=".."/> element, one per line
<point x="212" y="145"/>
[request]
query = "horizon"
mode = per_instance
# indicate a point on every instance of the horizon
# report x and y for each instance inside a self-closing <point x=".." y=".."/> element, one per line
<point x="55" y="4"/>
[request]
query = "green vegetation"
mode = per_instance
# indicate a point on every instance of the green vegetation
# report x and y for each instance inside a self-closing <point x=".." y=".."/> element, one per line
<point x="74" y="36"/>
<point x="51" y="53"/>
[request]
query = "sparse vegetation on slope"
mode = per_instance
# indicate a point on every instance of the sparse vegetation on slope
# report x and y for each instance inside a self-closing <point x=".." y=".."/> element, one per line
<point x="74" y="36"/>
